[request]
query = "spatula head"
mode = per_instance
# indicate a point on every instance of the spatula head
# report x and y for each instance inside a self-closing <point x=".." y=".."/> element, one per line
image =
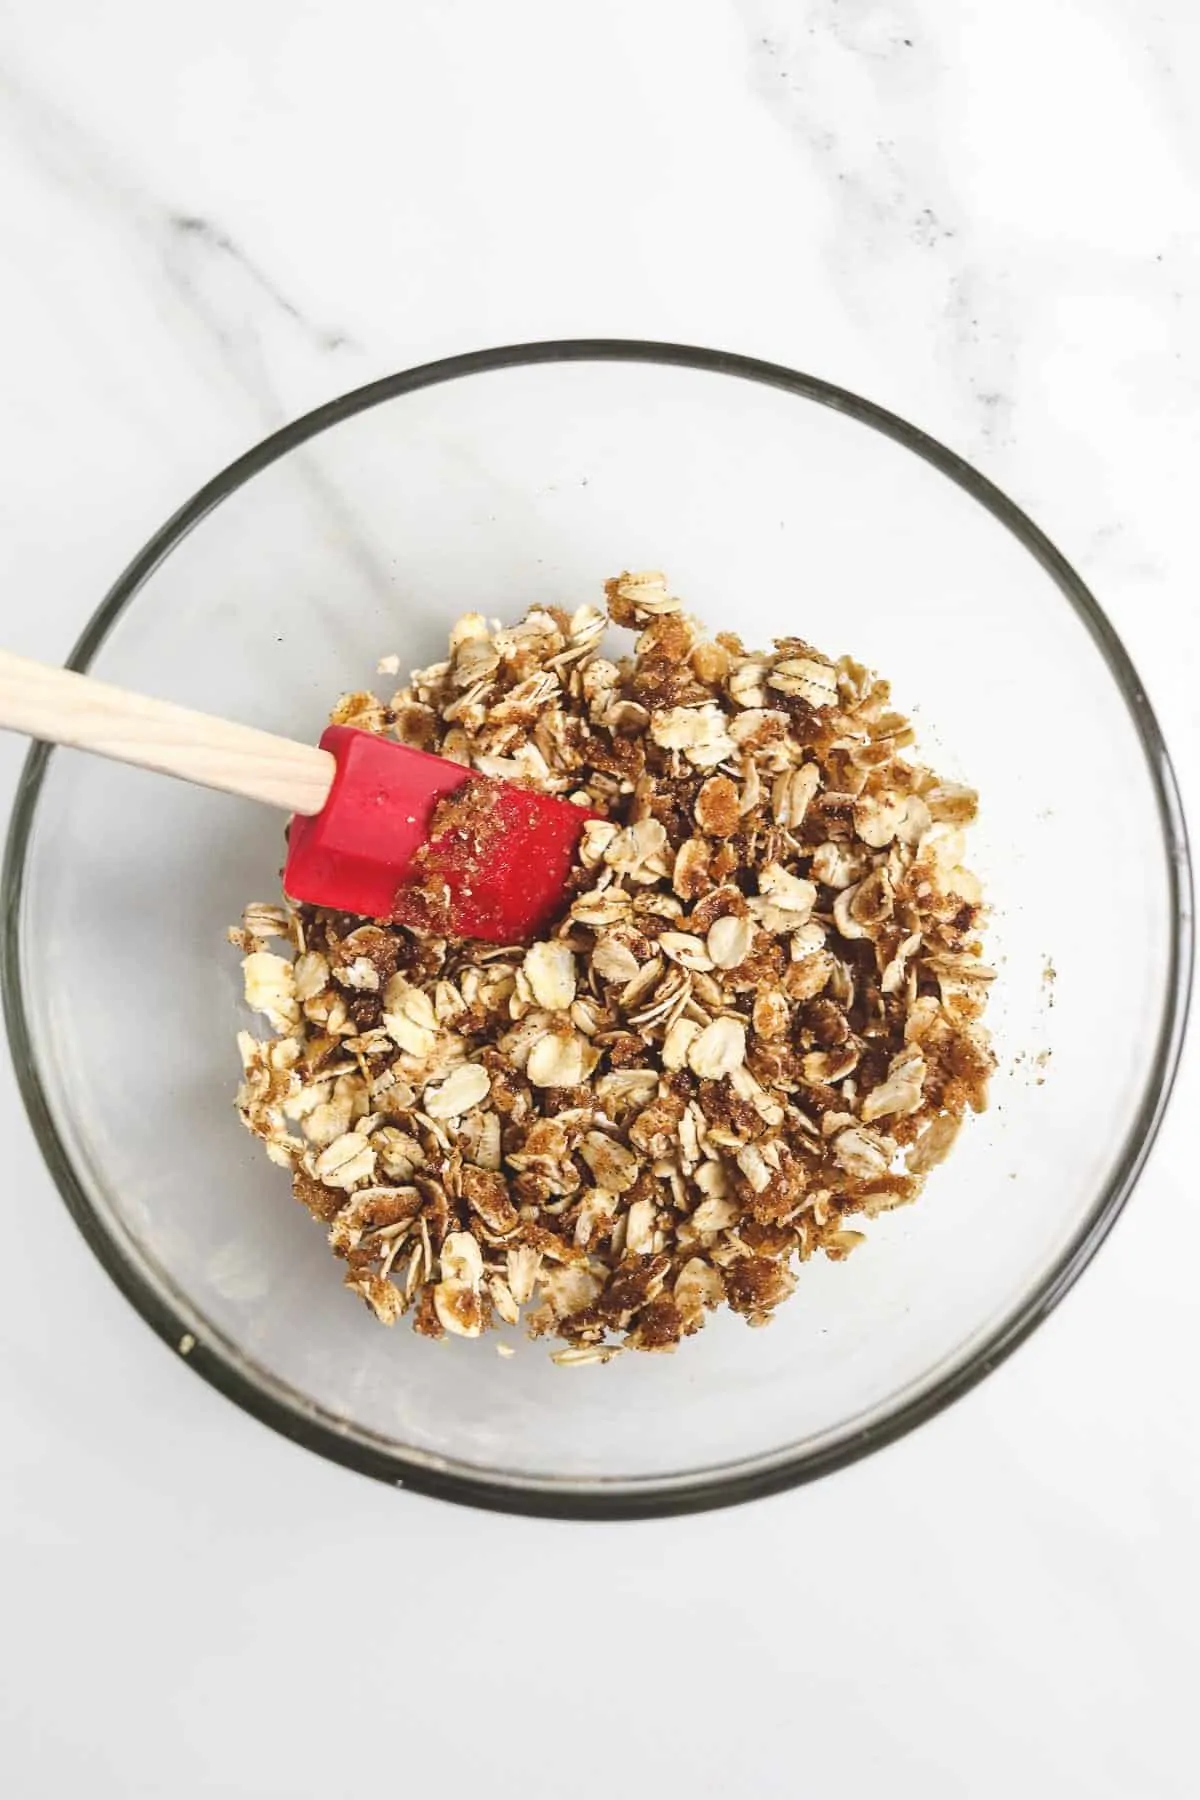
<point x="493" y="865"/>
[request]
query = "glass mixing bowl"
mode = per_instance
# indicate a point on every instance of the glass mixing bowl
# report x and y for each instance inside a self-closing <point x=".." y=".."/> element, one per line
<point x="777" y="505"/>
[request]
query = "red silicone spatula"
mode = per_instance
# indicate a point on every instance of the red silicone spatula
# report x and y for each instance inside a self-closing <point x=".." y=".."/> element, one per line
<point x="363" y="838"/>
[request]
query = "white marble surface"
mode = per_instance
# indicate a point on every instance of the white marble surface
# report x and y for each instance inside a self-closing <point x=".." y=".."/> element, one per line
<point x="985" y="216"/>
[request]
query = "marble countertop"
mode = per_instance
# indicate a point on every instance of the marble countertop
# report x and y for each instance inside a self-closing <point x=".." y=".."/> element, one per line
<point x="985" y="216"/>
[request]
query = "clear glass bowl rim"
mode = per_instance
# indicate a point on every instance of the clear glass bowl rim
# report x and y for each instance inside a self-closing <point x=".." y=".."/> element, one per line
<point x="222" y="1365"/>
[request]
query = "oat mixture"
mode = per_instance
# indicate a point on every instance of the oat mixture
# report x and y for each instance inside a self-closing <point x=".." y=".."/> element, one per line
<point x="757" y="1022"/>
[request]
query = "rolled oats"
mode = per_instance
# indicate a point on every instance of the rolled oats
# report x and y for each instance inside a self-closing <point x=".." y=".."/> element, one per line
<point x="804" y="678"/>
<point x="791" y="793"/>
<point x="613" y="1166"/>
<point x="784" y="900"/>
<point x="677" y="1042"/>
<point x="901" y="1092"/>
<point x="270" y="987"/>
<point x="688" y="951"/>
<point x="559" y="1061"/>
<point x="345" y="1162"/>
<point x="614" y="961"/>
<point x="718" y="1049"/>
<point x="758" y="1017"/>
<point x="457" y="1299"/>
<point x="550" y="972"/>
<point x="729" y="940"/>
<point x="465" y="1088"/>
<point x="701" y="732"/>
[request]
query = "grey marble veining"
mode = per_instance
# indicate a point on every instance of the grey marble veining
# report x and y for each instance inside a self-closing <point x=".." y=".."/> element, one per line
<point x="856" y="90"/>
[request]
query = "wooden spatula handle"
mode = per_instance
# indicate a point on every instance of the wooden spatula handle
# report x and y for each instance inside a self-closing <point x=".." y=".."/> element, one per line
<point x="61" y="707"/>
